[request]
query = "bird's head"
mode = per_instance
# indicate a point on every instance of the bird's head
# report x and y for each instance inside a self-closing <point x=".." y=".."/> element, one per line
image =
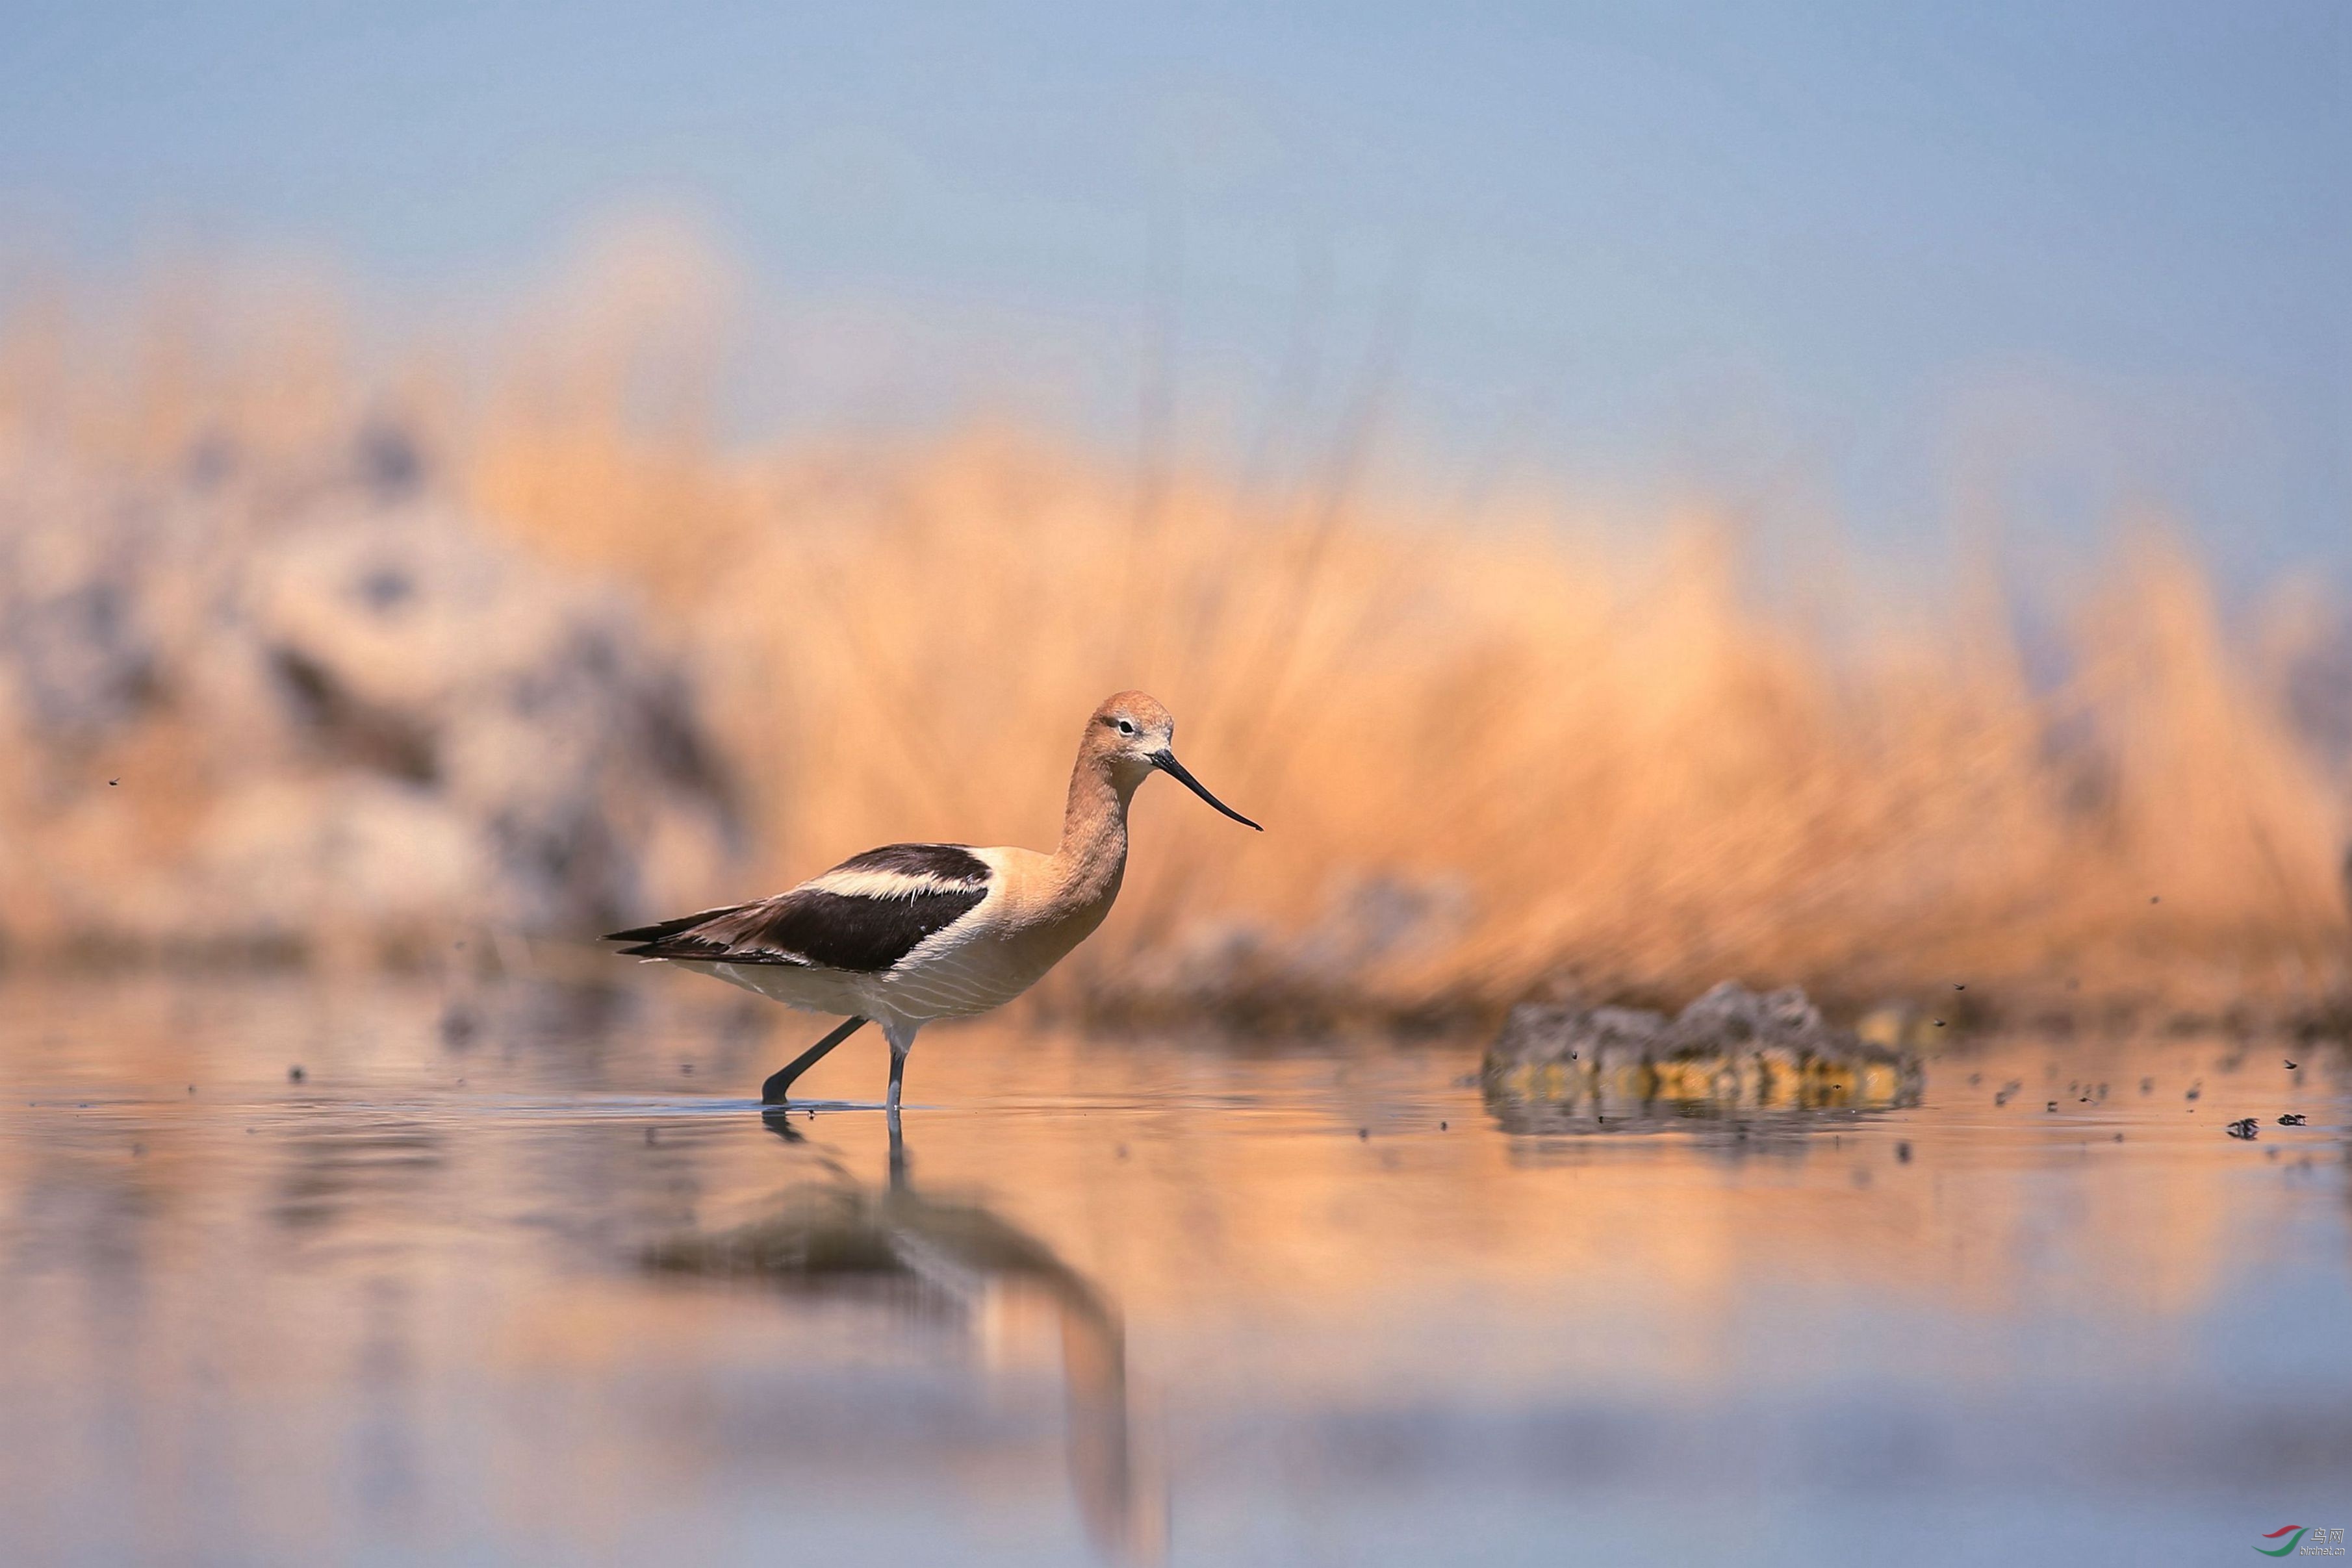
<point x="1132" y="737"/>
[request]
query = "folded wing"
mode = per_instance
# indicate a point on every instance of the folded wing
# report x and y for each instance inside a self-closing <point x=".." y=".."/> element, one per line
<point x="863" y="917"/>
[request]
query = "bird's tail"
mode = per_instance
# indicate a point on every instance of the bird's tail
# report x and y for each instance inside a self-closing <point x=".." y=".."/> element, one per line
<point x="660" y="931"/>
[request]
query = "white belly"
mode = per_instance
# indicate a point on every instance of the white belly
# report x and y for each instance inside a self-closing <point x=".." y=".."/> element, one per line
<point x="815" y="990"/>
<point x="968" y="979"/>
<point x="956" y="984"/>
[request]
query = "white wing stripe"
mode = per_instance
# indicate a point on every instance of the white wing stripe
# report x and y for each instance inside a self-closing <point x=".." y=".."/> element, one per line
<point x="883" y="884"/>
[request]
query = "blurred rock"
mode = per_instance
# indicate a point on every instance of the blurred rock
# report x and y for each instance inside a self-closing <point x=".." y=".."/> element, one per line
<point x="343" y="711"/>
<point x="1248" y="975"/>
<point x="1732" y="1047"/>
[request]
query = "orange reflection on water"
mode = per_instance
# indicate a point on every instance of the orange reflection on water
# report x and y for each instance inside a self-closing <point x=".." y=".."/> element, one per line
<point x="539" y="1290"/>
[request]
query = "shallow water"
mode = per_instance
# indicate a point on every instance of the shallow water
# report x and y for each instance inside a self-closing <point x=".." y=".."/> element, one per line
<point x="523" y="1278"/>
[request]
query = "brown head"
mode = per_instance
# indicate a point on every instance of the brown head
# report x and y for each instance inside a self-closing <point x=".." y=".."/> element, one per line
<point x="1129" y="737"/>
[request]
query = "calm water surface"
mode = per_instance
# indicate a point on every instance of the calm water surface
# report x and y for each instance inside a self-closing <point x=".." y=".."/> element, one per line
<point x="525" y="1278"/>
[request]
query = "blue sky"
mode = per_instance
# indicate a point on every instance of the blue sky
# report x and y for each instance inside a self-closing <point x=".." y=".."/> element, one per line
<point x="1900" y="262"/>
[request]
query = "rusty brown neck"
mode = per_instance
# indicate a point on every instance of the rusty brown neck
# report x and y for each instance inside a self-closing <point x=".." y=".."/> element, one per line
<point x="1092" y="855"/>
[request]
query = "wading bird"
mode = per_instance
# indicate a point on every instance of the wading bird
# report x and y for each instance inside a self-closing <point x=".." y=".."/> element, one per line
<point x="910" y="933"/>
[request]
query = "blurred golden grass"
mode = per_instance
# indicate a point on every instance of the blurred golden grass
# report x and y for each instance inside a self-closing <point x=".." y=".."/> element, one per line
<point x="1537" y="761"/>
<point x="1492" y="757"/>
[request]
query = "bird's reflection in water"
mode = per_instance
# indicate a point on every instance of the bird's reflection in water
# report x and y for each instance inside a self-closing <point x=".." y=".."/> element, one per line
<point x="840" y="1237"/>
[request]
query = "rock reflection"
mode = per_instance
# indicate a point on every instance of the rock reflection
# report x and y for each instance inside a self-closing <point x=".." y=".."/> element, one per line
<point x="1719" y="1118"/>
<point x="907" y="1252"/>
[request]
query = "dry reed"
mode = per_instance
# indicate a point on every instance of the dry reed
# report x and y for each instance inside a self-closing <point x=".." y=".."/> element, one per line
<point x="1489" y="761"/>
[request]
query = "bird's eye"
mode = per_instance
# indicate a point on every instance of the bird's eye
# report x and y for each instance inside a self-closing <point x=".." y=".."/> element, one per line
<point x="1126" y="728"/>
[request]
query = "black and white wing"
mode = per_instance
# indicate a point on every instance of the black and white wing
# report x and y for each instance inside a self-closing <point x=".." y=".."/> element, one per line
<point x="863" y="917"/>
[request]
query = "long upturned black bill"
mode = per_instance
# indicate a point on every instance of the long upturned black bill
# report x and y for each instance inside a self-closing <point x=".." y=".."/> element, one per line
<point x="1166" y="762"/>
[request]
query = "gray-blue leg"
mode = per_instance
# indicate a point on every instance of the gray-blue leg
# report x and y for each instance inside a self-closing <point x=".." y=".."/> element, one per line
<point x="902" y="1040"/>
<point x="780" y="1082"/>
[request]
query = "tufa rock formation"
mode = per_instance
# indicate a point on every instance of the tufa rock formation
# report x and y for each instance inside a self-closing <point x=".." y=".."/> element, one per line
<point x="1731" y="1051"/>
<point x="341" y="716"/>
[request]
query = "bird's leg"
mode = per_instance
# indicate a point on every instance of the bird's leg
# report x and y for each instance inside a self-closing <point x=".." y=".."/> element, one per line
<point x="780" y="1082"/>
<point x="902" y="1040"/>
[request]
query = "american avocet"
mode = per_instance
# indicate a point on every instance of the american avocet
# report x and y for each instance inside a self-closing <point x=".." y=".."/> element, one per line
<point x="910" y="933"/>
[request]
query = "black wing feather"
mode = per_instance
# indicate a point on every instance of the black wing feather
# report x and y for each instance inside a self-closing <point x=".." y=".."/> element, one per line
<point x="866" y="936"/>
<point x="948" y="862"/>
<point x="661" y="928"/>
<point x="809" y="929"/>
